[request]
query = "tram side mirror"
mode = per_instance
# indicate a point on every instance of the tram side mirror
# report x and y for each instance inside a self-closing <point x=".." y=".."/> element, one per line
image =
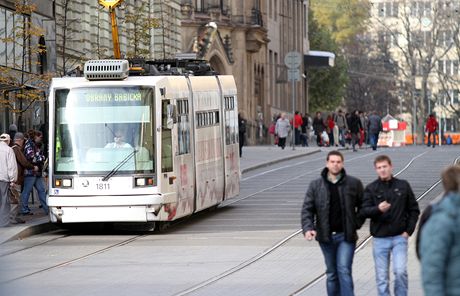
<point x="171" y="116"/>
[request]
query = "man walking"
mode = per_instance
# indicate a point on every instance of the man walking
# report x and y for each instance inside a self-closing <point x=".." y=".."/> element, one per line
<point x="341" y="123"/>
<point x="374" y="128"/>
<point x="23" y="164"/>
<point x="241" y="132"/>
<point x="8" y="175"/>
<point x="330" y="214"/>
<point x="393" y="209"/>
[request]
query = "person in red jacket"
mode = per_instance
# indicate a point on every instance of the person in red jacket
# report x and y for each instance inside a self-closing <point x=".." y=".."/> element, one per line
<point x="431" y="128"/>
<point x="297" y="127"/>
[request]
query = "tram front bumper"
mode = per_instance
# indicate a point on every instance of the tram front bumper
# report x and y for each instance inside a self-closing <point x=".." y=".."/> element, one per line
<point x="74" y="209"/>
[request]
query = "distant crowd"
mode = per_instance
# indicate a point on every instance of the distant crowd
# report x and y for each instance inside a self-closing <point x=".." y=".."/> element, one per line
<point x="22" y="167"/>
<point x="337" y="128"/>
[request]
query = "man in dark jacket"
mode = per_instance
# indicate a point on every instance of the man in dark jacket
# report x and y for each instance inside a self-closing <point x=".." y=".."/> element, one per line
<point x="330" y="214"/>
<point x="393" y="209"/>
<point x="22" y="164"/>
<point x="355" y="126"/>
<point x="241" y="132"/>
<point x="374" y="128"/>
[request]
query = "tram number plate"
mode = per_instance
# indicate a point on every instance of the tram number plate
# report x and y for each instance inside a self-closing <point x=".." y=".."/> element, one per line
<point x="103" y="186"/>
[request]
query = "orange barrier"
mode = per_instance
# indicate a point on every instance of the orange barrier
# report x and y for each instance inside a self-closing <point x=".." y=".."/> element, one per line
<point x="455" y="138"/>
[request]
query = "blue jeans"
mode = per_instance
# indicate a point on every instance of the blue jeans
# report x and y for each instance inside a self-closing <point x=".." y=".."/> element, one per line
<point x="29" y="183"/>
<point x="373" y="139"/>
<point x="338" y="255"/>
<point x="397" y="247"/>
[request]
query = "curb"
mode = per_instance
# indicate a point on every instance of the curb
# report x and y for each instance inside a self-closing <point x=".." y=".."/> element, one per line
<point x="27" y="231"/>
<point x="261" y="165"/>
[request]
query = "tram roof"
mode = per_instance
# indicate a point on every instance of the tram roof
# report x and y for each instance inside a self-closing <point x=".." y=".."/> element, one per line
<point x="74" y="82"/>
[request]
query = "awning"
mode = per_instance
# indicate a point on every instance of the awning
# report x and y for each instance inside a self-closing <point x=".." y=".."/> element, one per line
<point x="317" y="59"/>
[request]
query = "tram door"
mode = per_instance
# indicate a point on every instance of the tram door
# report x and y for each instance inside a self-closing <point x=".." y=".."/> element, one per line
<point x="231" y="146"/>
<point x="208" y="138"/>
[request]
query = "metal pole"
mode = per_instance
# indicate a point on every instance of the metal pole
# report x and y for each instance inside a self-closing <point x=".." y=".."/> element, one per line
<point x="293" y="114"/>
<point x="414" y="124"/>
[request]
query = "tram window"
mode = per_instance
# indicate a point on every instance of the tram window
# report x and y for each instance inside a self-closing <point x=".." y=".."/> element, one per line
<point x="166" y="141"/>
<point x="183" y="127"/>
<point x="230" y="120"/>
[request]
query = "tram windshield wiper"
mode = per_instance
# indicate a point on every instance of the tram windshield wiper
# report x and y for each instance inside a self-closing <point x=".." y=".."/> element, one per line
<point x="118" y="166"/>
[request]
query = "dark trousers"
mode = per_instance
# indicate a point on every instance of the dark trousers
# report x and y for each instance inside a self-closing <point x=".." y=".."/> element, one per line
<point x="241" y="140"/>
<point x="282" y="142"/>
<point x="429" y="138"/>
<point x="297" y="136"/>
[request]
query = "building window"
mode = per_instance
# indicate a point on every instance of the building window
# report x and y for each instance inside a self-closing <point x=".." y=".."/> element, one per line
<point x="388" y="9"/>
<point x="11" y="53"/>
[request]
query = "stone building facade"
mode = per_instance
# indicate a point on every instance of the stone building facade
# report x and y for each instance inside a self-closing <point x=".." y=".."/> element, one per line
<point x="251" y="41"/>
<point x="22" y="64"/>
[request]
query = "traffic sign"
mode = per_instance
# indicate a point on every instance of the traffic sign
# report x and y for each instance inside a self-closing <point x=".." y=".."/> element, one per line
<point x="293" y="59"/>
<point x="293" y="74"/>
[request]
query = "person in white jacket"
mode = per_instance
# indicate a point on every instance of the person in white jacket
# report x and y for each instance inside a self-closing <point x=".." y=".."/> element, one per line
<point x="8" y="175"/>
<point x="282" y="129"/>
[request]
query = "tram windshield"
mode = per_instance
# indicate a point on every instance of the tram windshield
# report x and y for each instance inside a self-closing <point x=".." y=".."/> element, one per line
<point x="96" y="129"/>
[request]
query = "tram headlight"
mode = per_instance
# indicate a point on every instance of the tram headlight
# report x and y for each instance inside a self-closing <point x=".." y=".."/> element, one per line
<point x="66" y="182"/>
<point x="63" y="183"/>
<point x="143" y="181"/>
<point x="140" y="182"/>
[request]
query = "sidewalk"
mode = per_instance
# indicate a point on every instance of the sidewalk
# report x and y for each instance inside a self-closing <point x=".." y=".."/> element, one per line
<point x="254" y="157"/>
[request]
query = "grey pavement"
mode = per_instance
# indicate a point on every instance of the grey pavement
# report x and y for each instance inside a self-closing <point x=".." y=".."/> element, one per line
<point x="254" y="157"/>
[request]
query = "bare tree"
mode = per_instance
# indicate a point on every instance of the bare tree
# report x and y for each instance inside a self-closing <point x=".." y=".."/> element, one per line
<point x="19" y="75"/>
<point x="66" y="27"/>
<point x="138" y="27"/>
<point x="414" y="30"/>
<point x="372" y="83"/>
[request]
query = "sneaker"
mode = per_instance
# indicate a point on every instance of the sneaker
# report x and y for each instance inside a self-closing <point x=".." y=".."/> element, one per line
<point x="17" y="221"/>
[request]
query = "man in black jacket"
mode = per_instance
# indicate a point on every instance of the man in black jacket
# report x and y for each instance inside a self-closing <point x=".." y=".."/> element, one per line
<point x="393" y="209"/>
<point x="330" y="214"/>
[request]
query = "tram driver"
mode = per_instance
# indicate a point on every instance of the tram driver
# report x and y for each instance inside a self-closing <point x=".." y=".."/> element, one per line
<point x="118" y="141"/>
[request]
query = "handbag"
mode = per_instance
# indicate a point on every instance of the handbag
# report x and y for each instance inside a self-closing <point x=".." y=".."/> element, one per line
<point x="14" y="196"/>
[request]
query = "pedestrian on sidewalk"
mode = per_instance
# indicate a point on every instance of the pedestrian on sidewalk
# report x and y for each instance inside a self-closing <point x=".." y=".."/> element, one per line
<point x="439" y="243"/>
<point x="305" y="129"/>
<point x="241" y="132"/>
<point x="374" y="129"/>
<point x="33" y="178"/>
<point x="391" y="205"/>
<point x="355" y="127"/>
<point x="8" y="175"/>
<point x="282" y="129"/>
<point x="22" y="164"/>
<point x="432" y="129"/>
<point x="297" y="122"/>
<point x="319" y="126"/>
<point x="341" y="123"/>
<point x="330" y="214"/>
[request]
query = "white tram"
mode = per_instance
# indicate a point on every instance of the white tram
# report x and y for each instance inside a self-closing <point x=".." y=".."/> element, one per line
<point x="140" y="148"/>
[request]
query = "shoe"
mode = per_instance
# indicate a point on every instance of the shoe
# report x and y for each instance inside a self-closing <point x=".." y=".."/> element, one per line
<point x="17" y="221"/>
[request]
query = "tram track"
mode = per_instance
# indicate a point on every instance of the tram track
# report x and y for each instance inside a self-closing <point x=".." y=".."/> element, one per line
<point x="287" y="238"/>
<point x="135" y="238"/>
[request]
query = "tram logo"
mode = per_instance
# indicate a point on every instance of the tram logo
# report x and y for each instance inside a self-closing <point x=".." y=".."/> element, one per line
<point x="85" y="183"/>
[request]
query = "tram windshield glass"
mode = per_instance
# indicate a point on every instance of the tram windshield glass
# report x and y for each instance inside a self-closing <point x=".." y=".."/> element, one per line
<point x="101" y="129"/>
